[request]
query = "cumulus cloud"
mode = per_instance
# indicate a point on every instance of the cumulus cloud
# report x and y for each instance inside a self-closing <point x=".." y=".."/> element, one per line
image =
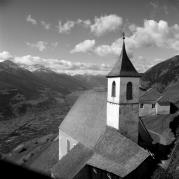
<point x="30" y="19"/>
<point x="156" y="33"/>
<point x="66" y="27"/>
<point x="153" y="33"/>
<point x="45" y="25"/>
<point x="105" y="24"/>
<point x="84" y="46"/>
<point x="40" y="45"/>
<point x="58" y="65"/>
<point x="101" y="25"/>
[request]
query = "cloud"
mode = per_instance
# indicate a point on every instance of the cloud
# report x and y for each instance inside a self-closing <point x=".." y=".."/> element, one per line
<point x="5" y="56"/>
<point x="84" y="46"/>
<point x="101" y="25"/>
<point x="66" y="27"/>
<point x="105" y="24"/>
<point x="85" y="23"/>
<point x="58" y="65"/>
<point x="40" y="45"/>
<point x="45" y="25"/>
<point x="30" y="19"/>
<point x="158" y="34"/>
<point x="153" y="33"/>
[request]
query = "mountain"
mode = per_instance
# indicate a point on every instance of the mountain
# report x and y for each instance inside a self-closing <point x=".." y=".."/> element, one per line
<point x="21" y="89"/>
<point x="60" y="82"/>
<point x="92" y="80"/>
<point x="14" y="77"/>
<point x="162" y="75"/>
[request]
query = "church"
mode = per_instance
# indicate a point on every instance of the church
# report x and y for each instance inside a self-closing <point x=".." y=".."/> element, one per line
<point x="99" y="136"/>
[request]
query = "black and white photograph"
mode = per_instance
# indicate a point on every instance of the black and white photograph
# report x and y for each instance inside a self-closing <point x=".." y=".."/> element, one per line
<point x="89" y="89"/>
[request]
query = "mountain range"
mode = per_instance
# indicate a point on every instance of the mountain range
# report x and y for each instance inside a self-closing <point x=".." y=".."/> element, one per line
<point x="19" y="85"/>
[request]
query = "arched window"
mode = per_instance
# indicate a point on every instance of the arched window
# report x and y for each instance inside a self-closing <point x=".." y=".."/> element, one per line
<point x="113" y="89"/>
<point x="129" y="91"/>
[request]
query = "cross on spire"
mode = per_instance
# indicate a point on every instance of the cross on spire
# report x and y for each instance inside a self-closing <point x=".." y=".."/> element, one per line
<point x="123" y="36"/>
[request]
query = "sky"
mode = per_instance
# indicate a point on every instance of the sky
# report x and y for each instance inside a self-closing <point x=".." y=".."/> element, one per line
<point x="84" y="36"/>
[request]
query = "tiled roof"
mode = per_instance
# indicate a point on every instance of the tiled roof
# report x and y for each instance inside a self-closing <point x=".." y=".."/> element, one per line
<point x="117" y="154"/>
<point x="113" y="153"/>
<point x="150" y="96"/>
<point x="123" y="67"/>
<point x="164" y="100"/>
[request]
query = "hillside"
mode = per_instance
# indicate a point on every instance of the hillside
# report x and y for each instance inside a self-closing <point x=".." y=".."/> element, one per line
<point x="162" y="75"/>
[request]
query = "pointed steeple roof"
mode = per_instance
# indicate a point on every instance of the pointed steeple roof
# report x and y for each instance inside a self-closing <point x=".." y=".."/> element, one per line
<point x="123" y="67"/>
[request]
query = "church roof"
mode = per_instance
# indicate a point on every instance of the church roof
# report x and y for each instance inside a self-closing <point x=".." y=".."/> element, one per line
<point x="123" y="67"/>
<point x="86" y="123"/>
<point x="107" y="155"/>
<point x="117" y="154"/>
<point x="86" y="120"/>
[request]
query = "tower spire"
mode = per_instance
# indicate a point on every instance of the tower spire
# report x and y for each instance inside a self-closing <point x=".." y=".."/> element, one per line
<point x="123" y="67"/>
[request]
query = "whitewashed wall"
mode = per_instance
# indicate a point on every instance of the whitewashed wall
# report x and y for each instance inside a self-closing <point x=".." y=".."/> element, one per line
<point x="63" y="138"/>
<point x="123" y="114"/>
<point x="148" y="110"/>
<point x="163" y="109"/>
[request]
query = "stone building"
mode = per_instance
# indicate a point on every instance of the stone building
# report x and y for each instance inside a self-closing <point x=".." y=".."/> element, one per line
<point x="99" y="136"/>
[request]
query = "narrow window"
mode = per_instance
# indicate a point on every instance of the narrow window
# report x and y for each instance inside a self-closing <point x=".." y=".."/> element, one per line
<point x="113" y="89"/>
<point x="141" y="105"/>
<point x="68" y="145"/>
<point x="129" y="91"/>
<point x="153" y="105"/>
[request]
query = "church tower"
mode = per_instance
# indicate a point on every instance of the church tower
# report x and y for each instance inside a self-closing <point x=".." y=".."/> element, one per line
<point x="123" y="96"/>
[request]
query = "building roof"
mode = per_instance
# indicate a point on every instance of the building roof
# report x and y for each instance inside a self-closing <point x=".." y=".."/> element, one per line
<point x="46" y="158"/>
<point x="123" y="67"/>
<point x="86" y="123"/>
<point x="117" y="154"/>
<point x="73" y="162"/>
<point x="150" y="96"/>
<point x="86" y="120"/>
<point x="107" y="155"/>
<point x="163" y="101"/>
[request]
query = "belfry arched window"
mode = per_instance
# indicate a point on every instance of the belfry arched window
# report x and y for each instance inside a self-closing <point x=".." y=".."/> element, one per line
<point x="113" y="94"/>
<point x="129" y="91"/>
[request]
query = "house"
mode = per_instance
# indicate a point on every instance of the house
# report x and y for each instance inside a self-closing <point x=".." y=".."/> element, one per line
<point x="153" y="103"/>
<point x="99" y="136"/>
